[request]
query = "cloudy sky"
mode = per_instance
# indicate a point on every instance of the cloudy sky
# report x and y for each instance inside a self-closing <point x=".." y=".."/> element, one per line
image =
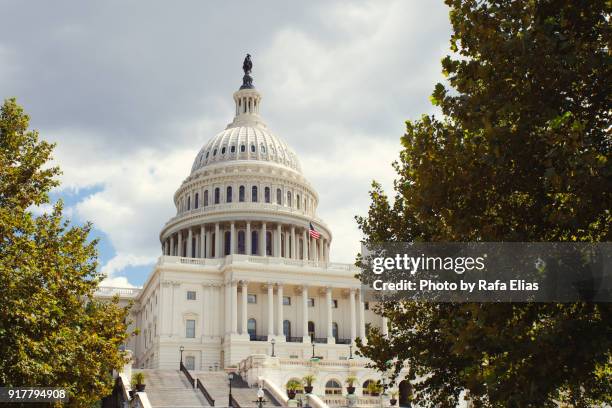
<point x="130" y="91"/>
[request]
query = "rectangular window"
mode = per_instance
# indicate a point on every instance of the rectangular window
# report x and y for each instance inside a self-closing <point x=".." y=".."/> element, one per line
<point x="310" y="302"/>
<point x="191" y="295"/>
<point x="190" y="329"/>
<point x="335" y="303"/>
<point x="251" y="298"/>
<point x="287" y="300"/>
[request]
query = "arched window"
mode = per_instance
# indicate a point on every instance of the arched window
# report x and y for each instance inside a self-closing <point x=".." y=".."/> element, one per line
<point x="287" y="328"/>
<point x="241" y="194"/>
<point x="242" y="148"/>
<point x="254" y="194"/>
<point x="279" y="196"/>
<point x="267" y="194"/>
<point x="252" y="328"/>
<point x="223" y="150"/>
<point x="252" y="148"/>
<point x="311" y="330"/>
<point x="255" y="242"/>
<point x="269" y="243"/>
<point x="197" y="199"/>
<point x="188" y="203"/>
<point x="233" y="149"/>
<point x="335" y="330"/>
<point x="215" y="152"/>
<point x="228" y="242"/>
<point x="262" y="148"/>
<point x="333" y="387"/>
<point x="205" y="198"/>
<point x="241" y="242"/>
<point x="297" y="201"/>
<point x="366" y="388"/>
<point x="228" y="195"/>
<point x="288" y="198"/>
<point x="207" y="153"/>
<point x="217" y="195"/>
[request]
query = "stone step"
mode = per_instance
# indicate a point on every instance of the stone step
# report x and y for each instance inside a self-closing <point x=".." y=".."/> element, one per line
<point x="170" y="388"/>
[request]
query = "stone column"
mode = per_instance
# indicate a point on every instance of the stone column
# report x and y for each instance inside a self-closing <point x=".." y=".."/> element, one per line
<point x="277" y="247"/>
<point x="172" y="245"/>
<point x="234" y="307"/>
<point x="232" y="239"/>
<point x="305" y="336"/>
<point x="217" y="241"/>
<point x="384" y="326"/>
<point x="305" y="244"/>
<point x="205" y="296"/>
<point x="279" y="316"/>
<point x="262" y="240"/>
<point x="327" y="252"/>
<point x="314" y="250"/>
<point x="293" y="244"/>
<point x="330" y="334"/>
<point x="353" y="315"/>
<point x="208" y="243"/>
<point x="287" y="246"/>
<point x="245" y="302"/>
<point x="270" y="310"/>
<point x="228" y="308"/>
<point x="189" y="243"/>
<point x="180" y="244"/>
<point x="202" y="242"/>
<point x="248" y="238"/>
<point x="362" y="327"/>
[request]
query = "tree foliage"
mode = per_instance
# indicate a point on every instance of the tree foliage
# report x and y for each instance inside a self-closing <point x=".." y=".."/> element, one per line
<point x="522" y="153"/>
<point x="52" y="332"/>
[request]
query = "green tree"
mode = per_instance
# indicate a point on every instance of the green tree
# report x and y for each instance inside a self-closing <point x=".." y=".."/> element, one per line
<point x="52" y="331"/>
<point x="521" y="154"/>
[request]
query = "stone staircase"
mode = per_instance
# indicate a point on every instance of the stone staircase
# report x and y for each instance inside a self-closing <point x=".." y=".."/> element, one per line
<point x="170" y="388"/>
<point x="216" y="384"/>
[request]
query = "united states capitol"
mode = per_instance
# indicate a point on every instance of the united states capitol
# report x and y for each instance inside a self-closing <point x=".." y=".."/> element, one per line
<point x="244" y="284"/>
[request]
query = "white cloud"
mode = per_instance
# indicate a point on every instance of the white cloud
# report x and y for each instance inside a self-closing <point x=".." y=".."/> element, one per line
<point x="123" y="260"/>
<point x="118" y="282"/>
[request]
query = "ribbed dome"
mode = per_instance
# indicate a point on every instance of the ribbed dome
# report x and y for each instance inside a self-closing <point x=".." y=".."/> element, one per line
<point x="246" y="143"/>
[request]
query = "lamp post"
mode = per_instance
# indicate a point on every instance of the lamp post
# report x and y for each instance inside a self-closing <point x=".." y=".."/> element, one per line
<point x="350" y="351"/>
<point x="273" y="342"/>
<point x="181" y="349"/>
<point x="230" y="377"/>
<point x="313" y="346"/>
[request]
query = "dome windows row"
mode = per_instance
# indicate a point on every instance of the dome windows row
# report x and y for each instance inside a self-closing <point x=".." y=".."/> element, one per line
<point x="232" y="149"/>
<point x="243" y="194"/>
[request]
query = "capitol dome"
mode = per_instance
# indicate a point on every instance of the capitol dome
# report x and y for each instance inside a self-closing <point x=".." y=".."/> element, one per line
<point x="246" y="195"/>
<point x="246" y="142"/>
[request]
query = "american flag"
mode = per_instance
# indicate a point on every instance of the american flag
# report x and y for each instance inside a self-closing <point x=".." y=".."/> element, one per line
<point x="313" y="232"/>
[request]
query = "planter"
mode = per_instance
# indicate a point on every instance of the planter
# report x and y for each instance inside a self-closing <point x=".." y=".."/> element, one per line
<point x="393" y="401"/>
<point x="350" y="390"/>
<point x="140" y="387"/>
<point x="308" y="389"/>
<point x="291" y="394"/>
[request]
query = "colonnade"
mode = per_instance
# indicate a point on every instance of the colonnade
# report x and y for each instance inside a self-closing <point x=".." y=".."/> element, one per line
<point x="275" y="330"/>
<point x="216" y="240"/>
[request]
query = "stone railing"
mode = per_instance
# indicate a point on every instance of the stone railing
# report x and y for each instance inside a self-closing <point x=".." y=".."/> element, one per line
<point x="108" y="291"/>
<point x="242" y="206"/>
<point x="265" y="260"/>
